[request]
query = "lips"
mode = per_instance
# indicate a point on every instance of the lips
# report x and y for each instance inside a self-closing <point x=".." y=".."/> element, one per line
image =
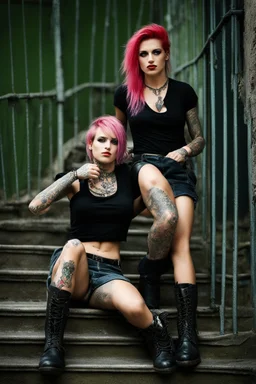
<point x="106" y="153"/>
<point x="151" y="66"/>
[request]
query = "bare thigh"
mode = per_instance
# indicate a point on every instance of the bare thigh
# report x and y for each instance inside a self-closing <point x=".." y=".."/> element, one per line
<point x="122" y="296"/>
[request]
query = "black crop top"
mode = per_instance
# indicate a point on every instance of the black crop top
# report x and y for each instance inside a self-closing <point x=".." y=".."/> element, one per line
<point x="95" y="218"/>
<point x="154" y="132"/>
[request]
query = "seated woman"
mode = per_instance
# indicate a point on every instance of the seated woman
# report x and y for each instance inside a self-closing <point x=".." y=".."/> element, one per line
<point x="88" y="267"/>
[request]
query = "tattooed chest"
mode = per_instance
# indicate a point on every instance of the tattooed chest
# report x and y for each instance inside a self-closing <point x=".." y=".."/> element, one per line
<point x="105" y="185"/>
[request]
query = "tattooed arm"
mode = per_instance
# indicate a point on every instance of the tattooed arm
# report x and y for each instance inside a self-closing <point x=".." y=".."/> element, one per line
<point x="196" y="145"/>
<point x="62" y="187"/>
<point x="194" y="127"/>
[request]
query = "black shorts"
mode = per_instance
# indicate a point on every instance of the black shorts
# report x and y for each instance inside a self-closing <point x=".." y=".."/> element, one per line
<point x="181" y="179"/>
<point x="101" y="271"/>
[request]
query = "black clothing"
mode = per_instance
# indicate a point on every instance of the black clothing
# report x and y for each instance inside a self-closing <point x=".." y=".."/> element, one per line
<point x="95" y="218"/>
<point x="154" y="132"/>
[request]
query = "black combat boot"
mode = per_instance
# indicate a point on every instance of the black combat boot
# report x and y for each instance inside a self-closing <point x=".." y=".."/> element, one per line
<point x="149" y="284"/>
<point x="187" y="352"/>
<point x="160" y="344"/>
<point x="52" y="360"/>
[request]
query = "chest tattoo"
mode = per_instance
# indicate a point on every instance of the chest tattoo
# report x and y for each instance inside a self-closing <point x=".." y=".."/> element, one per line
<point x="104" y="186"/>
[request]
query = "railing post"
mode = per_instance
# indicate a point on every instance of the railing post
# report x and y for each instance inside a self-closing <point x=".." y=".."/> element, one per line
<point x="59" y="80"/>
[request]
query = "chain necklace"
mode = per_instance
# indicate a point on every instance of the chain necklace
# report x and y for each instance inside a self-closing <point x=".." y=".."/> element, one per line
<point x="159" y="103"/>
<point x="106" y="184"/>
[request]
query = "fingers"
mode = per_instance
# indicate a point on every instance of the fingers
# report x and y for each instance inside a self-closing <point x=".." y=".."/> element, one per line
<point x="88" y="171"/>
<point x="175" y="155"/>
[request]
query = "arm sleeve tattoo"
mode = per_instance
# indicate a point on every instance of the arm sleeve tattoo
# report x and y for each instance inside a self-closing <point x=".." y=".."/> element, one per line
<point x="56" y="190"/>
<point x="194" y="127"/>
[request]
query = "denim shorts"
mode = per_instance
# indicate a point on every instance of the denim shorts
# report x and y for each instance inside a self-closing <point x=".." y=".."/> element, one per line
<point x="181" y="179"/>
<point x="101" y="271"/>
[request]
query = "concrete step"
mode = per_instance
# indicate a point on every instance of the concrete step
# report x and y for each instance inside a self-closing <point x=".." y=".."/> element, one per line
<point x="25" y="316"/>
<point x="29" y="285"/>
<point x="104" y="344"/>
<point x="105" y="370"/>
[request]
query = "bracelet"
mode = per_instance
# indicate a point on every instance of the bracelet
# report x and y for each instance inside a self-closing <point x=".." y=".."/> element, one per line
<point x="74" y="171"/>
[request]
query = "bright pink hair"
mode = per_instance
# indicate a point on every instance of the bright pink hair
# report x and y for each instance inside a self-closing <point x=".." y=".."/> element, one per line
<point x="134" y="77"/>
<point x="110" y="125"/>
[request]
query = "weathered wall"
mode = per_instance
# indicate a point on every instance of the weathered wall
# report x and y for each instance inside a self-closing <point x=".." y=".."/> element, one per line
<point x="250" y="75"/>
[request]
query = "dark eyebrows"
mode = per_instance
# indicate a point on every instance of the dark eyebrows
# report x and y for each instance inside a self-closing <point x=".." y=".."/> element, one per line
<point x="154" y="49"/>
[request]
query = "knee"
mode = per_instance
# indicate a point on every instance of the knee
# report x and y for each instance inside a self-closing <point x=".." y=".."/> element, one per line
<point x="74" y="248"/>
<point x="171" y="216"/>
<point x="167" y="220"/>
<point x="137" y="308"/>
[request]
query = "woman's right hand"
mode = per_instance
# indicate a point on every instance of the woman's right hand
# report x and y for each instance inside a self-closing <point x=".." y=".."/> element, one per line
<point x="88" y="171"/>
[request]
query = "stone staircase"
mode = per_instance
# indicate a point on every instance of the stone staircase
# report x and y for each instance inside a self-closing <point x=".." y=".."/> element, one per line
<point x="101" y="347"/>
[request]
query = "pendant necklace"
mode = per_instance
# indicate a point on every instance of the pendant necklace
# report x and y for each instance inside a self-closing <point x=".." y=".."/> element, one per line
<point x="159" y="103"/>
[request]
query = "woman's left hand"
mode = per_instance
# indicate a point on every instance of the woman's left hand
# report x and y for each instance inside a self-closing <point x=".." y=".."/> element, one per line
<point x="180" y="155"/>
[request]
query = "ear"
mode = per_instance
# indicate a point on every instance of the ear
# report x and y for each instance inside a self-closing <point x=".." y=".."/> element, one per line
<point x="90" y="145"/>
<point x="167" y="55"/>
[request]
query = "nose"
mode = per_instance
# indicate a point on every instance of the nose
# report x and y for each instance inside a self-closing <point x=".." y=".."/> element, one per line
<point x="150" y="58"/>
<point x="107" y="144"/>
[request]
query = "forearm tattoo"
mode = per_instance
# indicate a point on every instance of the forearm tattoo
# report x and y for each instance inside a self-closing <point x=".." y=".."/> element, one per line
<point x="165" y="216"/>
<point x="197" y="144"/>
<point x="51" y="193"/>
<point x="67" y="272"/>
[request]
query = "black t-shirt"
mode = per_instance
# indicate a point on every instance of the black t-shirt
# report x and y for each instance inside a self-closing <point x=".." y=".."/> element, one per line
<point x="95" y="218"/>
<point x="154" y="132"/>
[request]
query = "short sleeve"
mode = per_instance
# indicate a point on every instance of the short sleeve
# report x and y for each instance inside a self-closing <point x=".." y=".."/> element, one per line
<point x="120" y="98"/>
<point x="191" y="98"/>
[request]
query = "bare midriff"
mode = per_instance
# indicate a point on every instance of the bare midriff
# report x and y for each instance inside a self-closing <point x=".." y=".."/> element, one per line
<point x="108" y="249"/>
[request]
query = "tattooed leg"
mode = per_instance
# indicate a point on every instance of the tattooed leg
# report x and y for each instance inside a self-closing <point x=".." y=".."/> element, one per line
<point x="71" y="269"/>
<point x="165" y="220"/>
<point x="66" y="274"/>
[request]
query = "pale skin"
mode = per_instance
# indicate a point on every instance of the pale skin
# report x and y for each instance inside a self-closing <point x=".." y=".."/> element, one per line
<point x="71" y="269"/>
<point x="173" y="217"/>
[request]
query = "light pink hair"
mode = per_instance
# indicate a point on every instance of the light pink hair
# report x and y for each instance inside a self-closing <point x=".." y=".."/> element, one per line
<point x="110" y="125"/>
<point x="134" y="77"/>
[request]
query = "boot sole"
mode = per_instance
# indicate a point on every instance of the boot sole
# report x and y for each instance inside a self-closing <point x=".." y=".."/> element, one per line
<point x="188" y="364"/>
<point x="50" y="371"/>
<point x="165" y="370"/>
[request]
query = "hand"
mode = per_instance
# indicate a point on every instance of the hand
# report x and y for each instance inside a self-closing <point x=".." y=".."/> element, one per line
<point x="180" y="155"/>
<point x="88" y="171"/>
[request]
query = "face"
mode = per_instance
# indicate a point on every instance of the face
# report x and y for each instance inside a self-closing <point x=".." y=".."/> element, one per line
<point x="152" y="57"/>
<point x="104" y="148"/>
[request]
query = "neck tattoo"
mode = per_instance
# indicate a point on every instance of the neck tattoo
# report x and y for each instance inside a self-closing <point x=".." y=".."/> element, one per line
<point x="105" y="185"/>
<point x="159" y="103"/>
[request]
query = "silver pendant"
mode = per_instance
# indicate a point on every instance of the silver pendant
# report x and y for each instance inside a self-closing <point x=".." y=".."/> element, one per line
<point x="159" y="104"/>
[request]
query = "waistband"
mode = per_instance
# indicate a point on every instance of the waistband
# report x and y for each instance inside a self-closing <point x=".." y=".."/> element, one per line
<point x="148" y="154"/>
<point x="140" y="156"/>
<point x="104" y="260"/>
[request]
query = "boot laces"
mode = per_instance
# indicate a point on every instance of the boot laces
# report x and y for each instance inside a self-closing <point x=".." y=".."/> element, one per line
<point x="56" y="318"/>
<point x="185" y="319"/>
<point x="162" y="339"/>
